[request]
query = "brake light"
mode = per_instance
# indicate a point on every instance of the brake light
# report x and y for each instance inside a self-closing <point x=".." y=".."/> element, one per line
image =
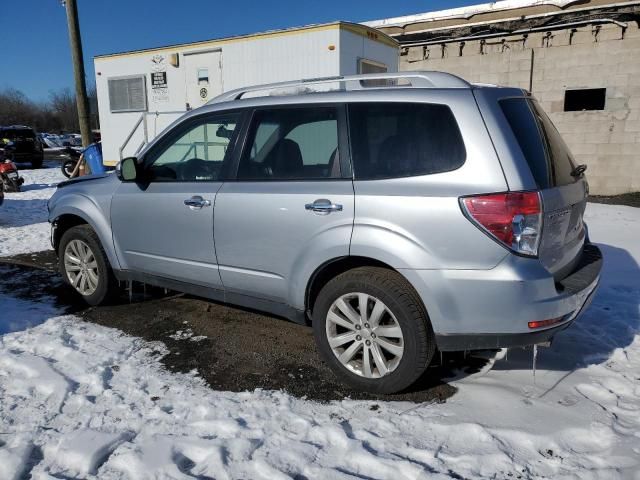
<point x="514" y="219"/>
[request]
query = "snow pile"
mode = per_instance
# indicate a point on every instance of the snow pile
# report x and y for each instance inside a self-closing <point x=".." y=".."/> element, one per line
<point x="78" y="400"/>
<point x="23" y="215"/>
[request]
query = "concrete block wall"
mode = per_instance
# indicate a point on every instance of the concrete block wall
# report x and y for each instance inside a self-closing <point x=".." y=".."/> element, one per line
<point x="608" y="141"/>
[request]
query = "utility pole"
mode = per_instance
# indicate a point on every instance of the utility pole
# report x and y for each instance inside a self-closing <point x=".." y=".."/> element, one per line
<point x="78" y="69"/>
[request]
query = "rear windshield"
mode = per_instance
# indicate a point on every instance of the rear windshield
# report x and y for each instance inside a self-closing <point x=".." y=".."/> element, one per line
<point x="403" y="139"/>
<point x="546" y="153"/>
<point x="14" y="133"/>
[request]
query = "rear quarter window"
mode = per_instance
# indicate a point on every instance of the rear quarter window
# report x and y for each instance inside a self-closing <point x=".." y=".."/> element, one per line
<point x="547" y="155"/>
<point x="390" y="140"/>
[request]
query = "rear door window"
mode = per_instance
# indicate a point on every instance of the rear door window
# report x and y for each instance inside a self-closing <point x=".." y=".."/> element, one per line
<point x="292" y="144"/>
<point x="391" y="140"/>
<point x="547" y="155"/>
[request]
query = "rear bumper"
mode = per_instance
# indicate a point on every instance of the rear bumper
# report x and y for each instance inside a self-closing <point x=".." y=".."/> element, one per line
<point x="491" y="309"/>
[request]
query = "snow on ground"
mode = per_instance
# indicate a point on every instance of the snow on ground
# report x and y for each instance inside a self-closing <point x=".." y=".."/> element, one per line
<point x="23" y="215"/>
<point x="82" y="401"/>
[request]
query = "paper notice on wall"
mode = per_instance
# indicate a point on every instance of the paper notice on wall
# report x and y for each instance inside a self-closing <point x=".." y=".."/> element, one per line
<point x="159" y="84"/>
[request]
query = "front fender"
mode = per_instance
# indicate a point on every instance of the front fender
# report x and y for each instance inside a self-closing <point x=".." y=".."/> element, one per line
<point x="84" y="207"/>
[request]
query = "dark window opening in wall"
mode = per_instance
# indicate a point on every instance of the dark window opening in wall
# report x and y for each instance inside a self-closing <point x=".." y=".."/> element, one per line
<point x="584" y="99"/>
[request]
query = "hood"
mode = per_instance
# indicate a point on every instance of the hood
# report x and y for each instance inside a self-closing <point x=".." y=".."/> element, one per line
<point x="85" y="178"/>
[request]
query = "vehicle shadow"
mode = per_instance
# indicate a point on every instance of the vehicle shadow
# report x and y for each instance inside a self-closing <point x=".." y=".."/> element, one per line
<point x="610" y="323"/>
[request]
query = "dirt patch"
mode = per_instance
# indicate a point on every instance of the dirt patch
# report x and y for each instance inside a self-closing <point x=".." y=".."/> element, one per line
<point x="231" y="349"/>
<point x="628" y="199"/>
<point x="45" y="260"/>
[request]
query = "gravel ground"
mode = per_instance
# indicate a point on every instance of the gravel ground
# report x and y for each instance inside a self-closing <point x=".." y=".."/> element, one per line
<point x="629" y="199"/>
<point x="232" y="349"/>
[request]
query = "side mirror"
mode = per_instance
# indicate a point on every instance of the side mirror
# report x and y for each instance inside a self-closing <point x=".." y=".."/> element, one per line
<point x="127" y="169"/>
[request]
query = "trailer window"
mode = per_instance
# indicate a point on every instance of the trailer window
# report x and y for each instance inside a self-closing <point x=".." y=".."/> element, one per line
<point x="203" y="76"/>
<point x="128" y="94"/>
<point x="370" y="66"/>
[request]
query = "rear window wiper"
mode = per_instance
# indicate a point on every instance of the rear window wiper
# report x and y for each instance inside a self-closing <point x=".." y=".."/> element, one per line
<point x="579" y="170"/>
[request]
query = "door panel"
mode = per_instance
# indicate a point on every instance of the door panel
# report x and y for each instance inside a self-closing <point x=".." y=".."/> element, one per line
<point x="163" y="225"/>
<point x="158" y="234"/>
<point x="264" y="233"/>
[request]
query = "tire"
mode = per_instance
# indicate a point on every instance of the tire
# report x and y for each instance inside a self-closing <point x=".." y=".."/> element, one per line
<point x="106" y="285"/>
<point x="10" y="185"/>
<point x="68" y="167"/>
<point x="404" y="309"/>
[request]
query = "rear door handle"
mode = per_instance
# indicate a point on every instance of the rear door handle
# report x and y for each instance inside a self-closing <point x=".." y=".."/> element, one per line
<point x="323" y="206"/>
<point x="197" y="202"/>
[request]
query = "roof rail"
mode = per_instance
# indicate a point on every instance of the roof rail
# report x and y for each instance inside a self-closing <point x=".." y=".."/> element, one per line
<point x="355" y="82"/>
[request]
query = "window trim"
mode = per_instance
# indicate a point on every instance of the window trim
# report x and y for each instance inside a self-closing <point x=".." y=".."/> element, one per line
<point x="144" y="88"/>
<point x="161" y="146"/>
<point x="243" y="146"/>
<point x="395" y="177"/>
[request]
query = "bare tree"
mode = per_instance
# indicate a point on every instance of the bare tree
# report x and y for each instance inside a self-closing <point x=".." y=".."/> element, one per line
<point x="63" y="105"/>
<point x="15" y="108"/>
<point x="57" y="114"/>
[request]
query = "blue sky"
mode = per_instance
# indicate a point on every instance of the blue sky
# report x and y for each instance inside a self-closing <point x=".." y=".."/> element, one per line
<point x="38" y="58"/>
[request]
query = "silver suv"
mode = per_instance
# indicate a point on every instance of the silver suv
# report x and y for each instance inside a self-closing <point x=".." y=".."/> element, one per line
<point x="395" y="213"/>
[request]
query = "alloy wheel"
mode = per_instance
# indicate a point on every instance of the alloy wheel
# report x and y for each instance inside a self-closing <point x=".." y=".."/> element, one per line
<point x="364" y="335"/>
<point x="81" y="267"/>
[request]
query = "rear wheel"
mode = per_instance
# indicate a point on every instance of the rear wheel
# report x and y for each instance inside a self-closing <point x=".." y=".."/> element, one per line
<point x="372" y="330"/>
<point x="84" y="265"/>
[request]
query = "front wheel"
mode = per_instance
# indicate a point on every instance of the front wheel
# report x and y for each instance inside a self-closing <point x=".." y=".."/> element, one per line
<point x="372" y="330"/>
<point x="84" y="265"/>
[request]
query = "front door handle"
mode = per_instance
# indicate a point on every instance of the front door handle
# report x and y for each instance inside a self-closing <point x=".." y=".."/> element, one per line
<point x="323" y="206"/>
<point x="197" y="202"/>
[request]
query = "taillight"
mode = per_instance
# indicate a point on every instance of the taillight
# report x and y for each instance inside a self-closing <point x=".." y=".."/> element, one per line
<point x="513" y="218"/>
<point x="545" y="323"/>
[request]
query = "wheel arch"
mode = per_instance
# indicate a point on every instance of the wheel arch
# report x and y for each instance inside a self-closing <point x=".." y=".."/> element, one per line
<point x="336" y="266"/>
<point x="73" y="216"/>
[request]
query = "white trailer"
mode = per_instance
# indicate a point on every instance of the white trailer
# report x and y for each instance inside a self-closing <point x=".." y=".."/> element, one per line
<point x="141" y="92"/>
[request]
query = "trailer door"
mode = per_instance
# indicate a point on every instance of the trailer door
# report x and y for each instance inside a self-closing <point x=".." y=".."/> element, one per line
<point x="203" y="81"/>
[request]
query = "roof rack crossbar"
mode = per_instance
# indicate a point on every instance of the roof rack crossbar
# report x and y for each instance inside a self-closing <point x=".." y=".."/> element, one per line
<point x="355" y="82"/>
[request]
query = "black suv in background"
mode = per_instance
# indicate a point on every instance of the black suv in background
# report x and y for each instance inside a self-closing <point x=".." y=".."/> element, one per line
<point x="20" y="144"/>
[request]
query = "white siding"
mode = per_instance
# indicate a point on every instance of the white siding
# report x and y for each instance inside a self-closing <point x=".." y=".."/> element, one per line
<point x="245" y="61"/>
